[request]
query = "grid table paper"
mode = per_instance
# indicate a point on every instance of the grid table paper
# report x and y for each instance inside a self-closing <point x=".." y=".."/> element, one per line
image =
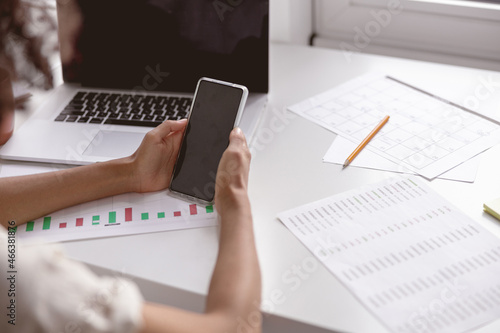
<point x="425" y="133"/>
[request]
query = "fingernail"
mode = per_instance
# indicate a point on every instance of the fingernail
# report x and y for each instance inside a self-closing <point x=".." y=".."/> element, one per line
<point x="238" y="130"/>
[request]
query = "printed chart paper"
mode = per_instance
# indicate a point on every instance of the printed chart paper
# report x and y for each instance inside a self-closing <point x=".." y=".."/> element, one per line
<point x="424" y="134"/>
<point x="126" y="214"/>
<point x="413" y="259"/>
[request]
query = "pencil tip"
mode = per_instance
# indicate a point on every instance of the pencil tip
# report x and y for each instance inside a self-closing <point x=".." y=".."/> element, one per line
<point x="346" y="163"/>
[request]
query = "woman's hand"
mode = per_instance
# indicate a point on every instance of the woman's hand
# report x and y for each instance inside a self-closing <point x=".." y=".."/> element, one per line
<point x="148" y="169"/>
<point x="235" y="289"/>
<point x="232" y="174"/>
<point x="153" y="162"/>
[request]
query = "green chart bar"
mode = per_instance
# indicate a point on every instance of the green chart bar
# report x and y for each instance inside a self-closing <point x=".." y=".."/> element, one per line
<point x="112" y="217"/>
<point x="96" y="219"/>
<point x="161" y="215"/>
<point x="210" y="209"/>
<point x="46" y="223"/>
<point x="30" y="225"/>
<point x="145" y="216"/>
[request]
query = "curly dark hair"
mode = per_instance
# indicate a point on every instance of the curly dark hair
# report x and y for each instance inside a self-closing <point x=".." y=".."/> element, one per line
<point x="20" y="49"/>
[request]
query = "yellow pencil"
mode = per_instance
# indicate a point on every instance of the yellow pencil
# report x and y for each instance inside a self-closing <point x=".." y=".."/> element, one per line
<point x="365" y="141"/>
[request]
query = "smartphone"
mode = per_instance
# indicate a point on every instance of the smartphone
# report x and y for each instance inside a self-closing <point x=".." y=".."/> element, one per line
<point x="216" y="109"/>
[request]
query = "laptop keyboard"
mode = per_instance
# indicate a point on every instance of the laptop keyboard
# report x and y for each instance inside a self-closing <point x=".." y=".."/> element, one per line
<point x="124" y="109"/>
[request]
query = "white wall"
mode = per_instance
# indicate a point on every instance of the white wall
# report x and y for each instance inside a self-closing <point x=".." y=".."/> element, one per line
<point x="447" y="31"/>
<point x="454" y="32"/>
<point x="290" y="21"/>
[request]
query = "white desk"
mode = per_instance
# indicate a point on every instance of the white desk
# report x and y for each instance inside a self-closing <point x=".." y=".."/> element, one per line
<point x="287" y="170"/>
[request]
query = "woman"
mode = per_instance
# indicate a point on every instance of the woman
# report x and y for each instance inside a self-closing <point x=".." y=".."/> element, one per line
<point x="55" y="294"/>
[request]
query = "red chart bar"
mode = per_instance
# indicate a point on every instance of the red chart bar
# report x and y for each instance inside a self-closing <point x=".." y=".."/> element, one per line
<point x="177" y="214"/>
<point x="62" y="225"/>
<point x="193" y="210"/>
<point x="128" y="214"/>
<point x="79" y="222"/>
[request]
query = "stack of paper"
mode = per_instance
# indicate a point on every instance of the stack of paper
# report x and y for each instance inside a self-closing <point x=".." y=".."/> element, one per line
<point x="342" y="147"/>
<point x="425" y="134"/>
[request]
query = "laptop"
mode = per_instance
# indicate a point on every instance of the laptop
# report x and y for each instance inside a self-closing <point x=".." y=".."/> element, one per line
<point x="136" y="64"/>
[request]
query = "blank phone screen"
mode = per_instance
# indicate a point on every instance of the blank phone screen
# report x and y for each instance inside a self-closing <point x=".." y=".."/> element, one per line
<point x="207" y="136"/>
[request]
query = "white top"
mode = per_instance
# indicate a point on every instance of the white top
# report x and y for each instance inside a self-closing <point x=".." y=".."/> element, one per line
<point x="287" y="171"/>
<point x="52" y="293"/>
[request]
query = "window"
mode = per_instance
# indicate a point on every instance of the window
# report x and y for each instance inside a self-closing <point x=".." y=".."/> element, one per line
<point x="459" y="32"/>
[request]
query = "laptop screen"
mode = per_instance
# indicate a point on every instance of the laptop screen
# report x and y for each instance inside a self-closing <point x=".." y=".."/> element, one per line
<point x="167" y="45"/>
